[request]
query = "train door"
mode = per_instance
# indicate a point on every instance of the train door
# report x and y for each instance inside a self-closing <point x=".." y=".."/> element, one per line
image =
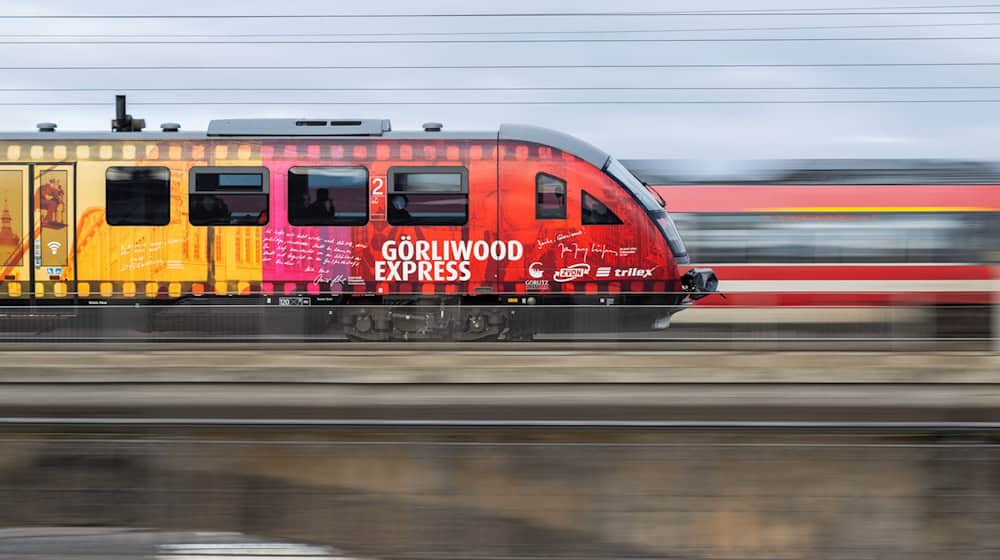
<point x="37" y="232"/>
<point x="53" y="224"/>
<point x="15" y="236"/>
<point x="538" y="209"/>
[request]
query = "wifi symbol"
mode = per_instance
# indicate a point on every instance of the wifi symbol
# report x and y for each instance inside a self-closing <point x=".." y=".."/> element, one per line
<point x="54" y="246"/>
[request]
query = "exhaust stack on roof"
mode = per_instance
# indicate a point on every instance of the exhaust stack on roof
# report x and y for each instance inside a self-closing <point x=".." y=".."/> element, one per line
<point x="123" y="122"/>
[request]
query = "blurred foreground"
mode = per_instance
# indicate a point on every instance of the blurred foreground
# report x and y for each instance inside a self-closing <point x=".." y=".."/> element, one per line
<point x="533" y="450"/>
<point x="587" y="491"/>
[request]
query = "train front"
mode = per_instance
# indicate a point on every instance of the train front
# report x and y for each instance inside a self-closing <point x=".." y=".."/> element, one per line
<point x="695" y="283"/>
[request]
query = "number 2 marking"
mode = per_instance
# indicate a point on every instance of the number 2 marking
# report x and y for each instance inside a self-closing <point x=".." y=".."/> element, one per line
<point x="378" y="184"/>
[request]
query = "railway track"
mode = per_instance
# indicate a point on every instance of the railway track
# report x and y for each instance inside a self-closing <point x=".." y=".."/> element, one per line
<point x="611" y="342"/>
<point x="699" y="327"/>
<point x="511" y="424"/>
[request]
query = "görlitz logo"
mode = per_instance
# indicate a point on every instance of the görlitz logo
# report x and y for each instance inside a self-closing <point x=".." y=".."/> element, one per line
<point x="535" y="270"/>
<point x="536" y="285"/>
<point x="634" y="272"/>
<point x="571" y="272"/>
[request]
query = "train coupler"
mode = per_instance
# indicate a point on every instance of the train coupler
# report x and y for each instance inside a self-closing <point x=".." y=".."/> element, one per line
<point x="699" y="282"/>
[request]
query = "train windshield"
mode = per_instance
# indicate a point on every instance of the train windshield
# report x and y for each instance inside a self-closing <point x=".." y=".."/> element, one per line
<point x="651" y="203"/>
<point x="635" y="186"/>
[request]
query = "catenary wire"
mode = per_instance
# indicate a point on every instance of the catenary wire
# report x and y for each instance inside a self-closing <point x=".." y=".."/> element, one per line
<point x="525" y="88"/>
<point x="510" y="66"/>
<point x="547" y="32"/>
<point x="502" y="41"/>
<point x="937" y="9"/>
<point x="546" y="102"/>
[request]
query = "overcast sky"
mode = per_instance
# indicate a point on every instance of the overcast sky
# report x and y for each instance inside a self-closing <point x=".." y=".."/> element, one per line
<point x="706" y="131"/>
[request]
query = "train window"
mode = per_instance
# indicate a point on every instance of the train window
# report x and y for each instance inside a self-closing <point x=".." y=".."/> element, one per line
<point x="835" y="238"/>
<point x="328" y="196"/>
<point x="550" y="197"/>
<point x="428" y="196"/>
<point x="594" y="212"/>
<point x="137" y="196"/>
<point x="228" y="196"/>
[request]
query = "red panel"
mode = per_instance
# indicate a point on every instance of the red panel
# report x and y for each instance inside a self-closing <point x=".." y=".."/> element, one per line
<point x="825" y="299"/>
<point x="572" y="257"/>
<point x="853" y="272"/>
<point x="560" y="253"/>
<point x="762" y="198"/>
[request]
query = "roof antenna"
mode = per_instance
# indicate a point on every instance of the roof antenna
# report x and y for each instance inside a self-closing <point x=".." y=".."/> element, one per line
<point x="124" y="122"/>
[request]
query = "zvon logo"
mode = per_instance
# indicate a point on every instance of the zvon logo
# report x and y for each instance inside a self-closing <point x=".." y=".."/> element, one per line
<point x="571" y="272"/>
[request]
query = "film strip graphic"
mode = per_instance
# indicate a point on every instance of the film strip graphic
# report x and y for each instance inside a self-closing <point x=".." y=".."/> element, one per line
<point x="334" y="150"/>
<point x="101" y="289"/>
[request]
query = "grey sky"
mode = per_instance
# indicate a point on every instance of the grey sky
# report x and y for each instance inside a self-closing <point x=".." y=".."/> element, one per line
<point x="628" y="131"/>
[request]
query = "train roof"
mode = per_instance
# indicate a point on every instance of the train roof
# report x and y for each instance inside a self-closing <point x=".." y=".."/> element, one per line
<point x="326" y="129"/>
<point x="815" y="172"/>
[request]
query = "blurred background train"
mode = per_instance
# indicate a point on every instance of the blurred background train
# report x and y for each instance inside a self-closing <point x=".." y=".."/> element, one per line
<point x="829" y="234"/>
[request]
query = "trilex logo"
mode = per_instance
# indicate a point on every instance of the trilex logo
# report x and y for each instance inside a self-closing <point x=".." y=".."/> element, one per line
<point x="634" y="272"/>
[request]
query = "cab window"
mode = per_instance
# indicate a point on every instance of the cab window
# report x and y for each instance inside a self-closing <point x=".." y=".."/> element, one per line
<point x="594" y="212"/>
<point x="550" y="197"/>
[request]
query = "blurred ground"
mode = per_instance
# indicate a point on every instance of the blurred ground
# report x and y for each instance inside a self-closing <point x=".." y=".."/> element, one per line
<point x="213" y="437"/>
<point x="516" y="492"/>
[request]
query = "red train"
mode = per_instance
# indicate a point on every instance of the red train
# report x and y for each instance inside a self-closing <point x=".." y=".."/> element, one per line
<point x="409" y="235"/>
<point x="840" y="232"/>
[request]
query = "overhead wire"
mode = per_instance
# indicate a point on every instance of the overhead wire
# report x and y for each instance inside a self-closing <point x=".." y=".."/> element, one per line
<point x="289" y="67"/>
<point x="101" y="40"/>
<point x="98" y="42"/>
<point x="937" y="9"/>
<point x="516" y="33"/>
<point x="545" y="102"/>
<point x="513" y="88"/>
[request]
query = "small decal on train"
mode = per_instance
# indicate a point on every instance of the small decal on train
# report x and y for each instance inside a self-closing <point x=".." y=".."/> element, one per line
<point x="536" y="285"/>
<point x="571" y="272"/>
<point x="633" y="272"/>
<point x="535" y="270"/>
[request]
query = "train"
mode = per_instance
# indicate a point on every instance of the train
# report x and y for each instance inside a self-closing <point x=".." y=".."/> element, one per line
<point x="423" y="234"/>
<point x="832" y="233"/>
